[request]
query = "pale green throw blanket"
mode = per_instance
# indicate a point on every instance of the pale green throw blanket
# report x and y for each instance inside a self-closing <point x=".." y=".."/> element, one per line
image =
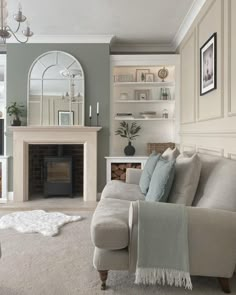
<point x="162" y="245"/>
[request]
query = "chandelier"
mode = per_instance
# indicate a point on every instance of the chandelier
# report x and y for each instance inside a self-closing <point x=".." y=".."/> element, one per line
<point x="5" y="31"/>
<point x="71" y="75"/>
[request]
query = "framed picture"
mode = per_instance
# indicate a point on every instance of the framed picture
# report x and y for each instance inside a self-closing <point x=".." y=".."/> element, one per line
<point x="140" y="74"/>
<point x="141" y="94"/>
<point x="208" y="67"/>
<point x="64" y="118"/>
<point x="149" y="77"/>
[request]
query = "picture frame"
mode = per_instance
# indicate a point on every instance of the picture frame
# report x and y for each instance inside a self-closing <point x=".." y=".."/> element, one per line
<point x="140" y="74"/>
<point x="142" y="94"/>
<point x="149" y="77"/>
<point x="64" y="118"/>
<point x="208" y="65"/>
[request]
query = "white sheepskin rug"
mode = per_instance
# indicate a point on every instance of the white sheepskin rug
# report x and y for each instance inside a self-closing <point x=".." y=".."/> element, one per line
<point x="36" y="221"/>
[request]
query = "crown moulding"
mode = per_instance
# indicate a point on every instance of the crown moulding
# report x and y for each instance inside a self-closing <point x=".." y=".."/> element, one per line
<point x="93" y="39"/>
<point x="187" y="22"/>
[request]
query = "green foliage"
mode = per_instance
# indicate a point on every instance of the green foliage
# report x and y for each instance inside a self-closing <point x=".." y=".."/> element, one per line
<point x="15" y="110"/>
<point x="128" y="131"/>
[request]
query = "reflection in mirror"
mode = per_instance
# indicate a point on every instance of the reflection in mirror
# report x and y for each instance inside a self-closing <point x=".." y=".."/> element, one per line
<point x="56" y="90"/>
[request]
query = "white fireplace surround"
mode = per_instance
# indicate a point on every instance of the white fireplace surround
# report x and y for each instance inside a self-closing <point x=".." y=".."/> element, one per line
<point x="23" y="136"/>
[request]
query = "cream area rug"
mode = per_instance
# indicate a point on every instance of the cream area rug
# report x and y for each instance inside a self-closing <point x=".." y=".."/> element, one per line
<point x="36" y="221"/>
<point x="37" y="265"/>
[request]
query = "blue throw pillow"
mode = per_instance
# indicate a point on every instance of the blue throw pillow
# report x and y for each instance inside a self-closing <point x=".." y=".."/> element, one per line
<point x="161" y="181"/>
<point x="147" y="172"/>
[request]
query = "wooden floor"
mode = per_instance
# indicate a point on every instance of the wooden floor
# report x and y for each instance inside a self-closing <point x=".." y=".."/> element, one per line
<point x="50" y="204"/>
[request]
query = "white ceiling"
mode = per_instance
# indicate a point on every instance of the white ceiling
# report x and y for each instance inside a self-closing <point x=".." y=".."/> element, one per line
<point x="130" y="21"/>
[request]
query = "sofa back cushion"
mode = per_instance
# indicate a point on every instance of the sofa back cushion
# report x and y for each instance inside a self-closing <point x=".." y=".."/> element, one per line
<point x="161" y="181"/>
<point x="148" y="169"/>
<point x="187" y="174"/>
<point x="217" y="184"/>
<point x="170" y="154"/>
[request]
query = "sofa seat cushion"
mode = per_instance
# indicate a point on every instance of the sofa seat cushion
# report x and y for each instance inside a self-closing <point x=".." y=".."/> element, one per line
<point x="109" y="227"/>
<point x="116" y="189"/>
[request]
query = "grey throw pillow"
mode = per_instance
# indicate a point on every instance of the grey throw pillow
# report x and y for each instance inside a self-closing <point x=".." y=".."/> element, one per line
<point x="147" y="172"/>
<point x="161" y="181"/>
<point x="187" y="174"/>
<point x="170" y="154"/>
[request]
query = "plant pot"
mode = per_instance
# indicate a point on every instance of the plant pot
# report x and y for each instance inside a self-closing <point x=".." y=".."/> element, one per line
<point x="16" y="122"/>
<point x="129" y="150"/>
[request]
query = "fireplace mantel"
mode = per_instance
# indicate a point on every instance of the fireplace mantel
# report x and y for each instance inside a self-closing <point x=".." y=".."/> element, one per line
<point x="54" y="129"/>
<point x="25" y="135"/>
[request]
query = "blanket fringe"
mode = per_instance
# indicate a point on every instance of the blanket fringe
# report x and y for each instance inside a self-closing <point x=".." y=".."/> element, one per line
<point x="163" y="276"/>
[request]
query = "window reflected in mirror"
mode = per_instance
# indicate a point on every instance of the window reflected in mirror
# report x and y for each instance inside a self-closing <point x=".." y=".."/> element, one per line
<point x="56" y="91"/>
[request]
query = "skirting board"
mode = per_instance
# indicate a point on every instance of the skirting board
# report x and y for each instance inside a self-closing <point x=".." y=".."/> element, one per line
<point x="11" y="197"/>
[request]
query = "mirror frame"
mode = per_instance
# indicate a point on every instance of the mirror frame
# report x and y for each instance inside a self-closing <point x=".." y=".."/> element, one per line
<point x="41" y="99"/>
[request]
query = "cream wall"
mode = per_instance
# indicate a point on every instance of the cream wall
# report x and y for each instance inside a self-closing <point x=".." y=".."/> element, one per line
<point x="208" y="123"/>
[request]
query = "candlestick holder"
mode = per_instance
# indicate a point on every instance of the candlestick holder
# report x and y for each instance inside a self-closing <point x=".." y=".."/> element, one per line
<point x="90" y="121"/>
<point x="97" y="119"/>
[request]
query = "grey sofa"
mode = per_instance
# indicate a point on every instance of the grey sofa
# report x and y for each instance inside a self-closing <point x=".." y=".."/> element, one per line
<point x="211" y="223"/>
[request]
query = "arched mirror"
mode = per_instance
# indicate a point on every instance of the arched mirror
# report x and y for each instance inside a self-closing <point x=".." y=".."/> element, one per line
<point x="55" y="90"/>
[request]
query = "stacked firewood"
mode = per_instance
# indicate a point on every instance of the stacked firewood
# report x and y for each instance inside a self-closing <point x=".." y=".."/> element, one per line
<point x="118" y="170"/>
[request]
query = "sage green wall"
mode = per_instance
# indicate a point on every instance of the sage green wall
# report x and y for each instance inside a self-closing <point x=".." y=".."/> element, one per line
<point x="95" y="61"/>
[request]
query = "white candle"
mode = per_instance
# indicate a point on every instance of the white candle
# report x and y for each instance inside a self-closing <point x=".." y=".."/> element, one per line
<point x="90" y="111"/>
<point x="97" y="108"/>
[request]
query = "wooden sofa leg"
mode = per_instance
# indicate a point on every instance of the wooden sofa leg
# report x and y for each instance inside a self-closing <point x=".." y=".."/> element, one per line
<point x="224" y="283"/>
<point x="103" y="277"/>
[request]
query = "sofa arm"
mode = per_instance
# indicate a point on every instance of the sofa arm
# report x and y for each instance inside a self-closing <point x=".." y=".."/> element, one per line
<point x="211" y="237"/>
<point x="133" y="175"/>
<point x="212" y="242"/>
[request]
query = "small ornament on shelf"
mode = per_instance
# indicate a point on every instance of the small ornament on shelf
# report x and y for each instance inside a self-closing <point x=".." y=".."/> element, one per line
<point x="163" y="74"/>
<point x="165" y="114"/>
<point x="124" y="96"/>
<point x="123" y="78"/>
<point x="165" y="94"/>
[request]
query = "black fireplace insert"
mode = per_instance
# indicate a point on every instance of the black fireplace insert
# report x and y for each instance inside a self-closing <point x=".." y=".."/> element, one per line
<point x="58" y="176"/>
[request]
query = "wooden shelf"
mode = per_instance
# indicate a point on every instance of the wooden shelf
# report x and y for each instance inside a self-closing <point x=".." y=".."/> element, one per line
<point x="156" y="84"/>
<point x="144" y="101"/>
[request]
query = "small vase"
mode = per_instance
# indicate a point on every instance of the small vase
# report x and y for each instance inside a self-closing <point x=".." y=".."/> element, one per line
<point x="129" y="150"/>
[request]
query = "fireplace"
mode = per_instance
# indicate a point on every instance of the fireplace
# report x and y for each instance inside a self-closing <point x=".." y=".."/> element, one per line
<point x="57" y="176"/>
<point x="26" y="136"/>
<point x="56" y="170"/>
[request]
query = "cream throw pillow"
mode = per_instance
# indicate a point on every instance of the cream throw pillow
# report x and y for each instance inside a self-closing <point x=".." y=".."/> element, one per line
<point x="187" y="174"/>
<point x="170" y="154"/>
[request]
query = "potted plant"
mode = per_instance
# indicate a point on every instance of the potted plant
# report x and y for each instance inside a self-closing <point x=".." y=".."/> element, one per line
<point x="130" y="132"/>
<point x="15" y="110"/>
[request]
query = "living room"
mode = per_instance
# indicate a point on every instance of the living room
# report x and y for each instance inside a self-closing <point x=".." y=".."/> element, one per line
<point x="100" y="114"/>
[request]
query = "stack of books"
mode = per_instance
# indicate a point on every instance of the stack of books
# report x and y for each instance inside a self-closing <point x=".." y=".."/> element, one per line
<point x="124" y="116"/>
